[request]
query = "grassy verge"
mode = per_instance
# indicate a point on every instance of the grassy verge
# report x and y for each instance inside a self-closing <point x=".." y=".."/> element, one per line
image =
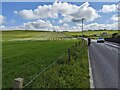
<point x="24" y="59"/>
<point x="64" y="74"/>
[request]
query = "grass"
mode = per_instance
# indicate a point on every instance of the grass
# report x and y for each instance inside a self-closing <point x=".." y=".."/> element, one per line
<point x="33" y="35"/>
<point x="26" y="58"/>
<point x="23" y="59"/>
<point x="92" y="32"/>
<point x="64" y="74"/>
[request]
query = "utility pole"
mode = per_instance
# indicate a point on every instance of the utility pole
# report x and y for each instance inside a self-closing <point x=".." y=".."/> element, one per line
<point x="100" y="29"/>
<point x="79" y="20"/>
<point x="119" y="15"/>
<point x="26" y="27"/>
<point x="82" y="26"/>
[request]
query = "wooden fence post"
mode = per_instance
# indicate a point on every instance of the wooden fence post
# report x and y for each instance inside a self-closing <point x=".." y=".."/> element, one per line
<point x="18" y="84"/>
<point x="75" y="46"/>
<point x="68" y="55"/>
<point x="79" y="42"/>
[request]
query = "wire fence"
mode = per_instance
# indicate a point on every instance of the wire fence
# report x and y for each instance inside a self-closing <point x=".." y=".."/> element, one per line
<point x="40" y="72"/>
<point x="35" y="76"/>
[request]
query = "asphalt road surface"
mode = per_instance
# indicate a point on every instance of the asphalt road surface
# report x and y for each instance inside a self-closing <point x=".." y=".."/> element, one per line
<point x="104" y="62"/>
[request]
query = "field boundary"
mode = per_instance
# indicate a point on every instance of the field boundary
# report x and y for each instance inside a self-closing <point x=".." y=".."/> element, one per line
<point x="39" y="74"/>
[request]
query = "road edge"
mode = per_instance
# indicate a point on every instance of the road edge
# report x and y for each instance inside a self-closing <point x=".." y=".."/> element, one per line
<point x="90" y="72"/>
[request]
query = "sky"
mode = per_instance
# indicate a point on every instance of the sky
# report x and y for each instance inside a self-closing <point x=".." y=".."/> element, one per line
<point x="59" y="16"/>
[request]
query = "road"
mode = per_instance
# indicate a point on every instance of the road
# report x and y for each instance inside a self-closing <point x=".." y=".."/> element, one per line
<point x="104" y="63"/>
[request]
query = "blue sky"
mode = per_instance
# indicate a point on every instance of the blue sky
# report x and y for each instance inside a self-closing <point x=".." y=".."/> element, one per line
<point x="11" y="19"/>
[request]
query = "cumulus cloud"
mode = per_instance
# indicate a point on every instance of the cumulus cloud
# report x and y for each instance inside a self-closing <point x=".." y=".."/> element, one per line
<point x="66" y="19"/>
<point x="38" y="24"/>
<point x="96" y="26"/>
<point x="115" y="17"/>
<point x="13" y="27"/>
<point x="65" y="25"/>
<point x="109" y="8"/>
<point x="56" y="28"/>
<point x="85" y="11"/>
<point x="27" y="14"/>
<point x="2" y="19"/>
<point x="2" y="27"/>
<point x="68" y="11"/>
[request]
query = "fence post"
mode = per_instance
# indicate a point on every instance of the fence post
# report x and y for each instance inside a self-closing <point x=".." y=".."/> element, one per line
<point x="68" y="55"/>
<point x="76" y="44"/>
<point x="18" y="84"/>
<point x="79" y="42"/>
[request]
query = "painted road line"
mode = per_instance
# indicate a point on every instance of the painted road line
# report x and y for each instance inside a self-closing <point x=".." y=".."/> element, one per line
<point x="112" y="45"/>
<point x="112" y="48"/>
<point x="90" y="73"/>
<point x="108" y="47"/>
<point x="118" y="52"/>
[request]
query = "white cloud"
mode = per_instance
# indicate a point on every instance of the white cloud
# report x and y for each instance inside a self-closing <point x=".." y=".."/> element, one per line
<point x="38" y="24"/>
<point x="66" y="19"/>
<point x="115" y="17"/>
<point x="87" y="12"/>
<point x="27" y="14"/>
<point x="96" y="26"/>
<point x="56" y="28"/>
<point x="72" y="28"/>
<point x="13" y="27"/>
<point x="109" y="8"/>
<point x="65" y="25"/>
<point x="35" y="25"/>
<point x="2" y="27"/>
<point x="2" y="19"/>
<point x="46" y="25"/>
<point x="41" y="12"/>
<point x="68" y="11"/>
<point x="60" y="21"/>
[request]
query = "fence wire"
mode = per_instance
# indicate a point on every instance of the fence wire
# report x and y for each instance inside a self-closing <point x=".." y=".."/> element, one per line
<point x="39" y="74"/>
<point x="35" y="76"/>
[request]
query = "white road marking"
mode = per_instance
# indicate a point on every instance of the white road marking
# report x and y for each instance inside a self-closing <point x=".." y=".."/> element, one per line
<point x="112" y="45"/>
<point x="118" y="52"/>
<point x="111" y="48"/>
<point x="108" y="47"/>
<point x="90" y="73"/>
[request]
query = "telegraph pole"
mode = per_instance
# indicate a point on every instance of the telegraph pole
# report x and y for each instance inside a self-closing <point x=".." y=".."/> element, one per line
<point x="82" y="26"/>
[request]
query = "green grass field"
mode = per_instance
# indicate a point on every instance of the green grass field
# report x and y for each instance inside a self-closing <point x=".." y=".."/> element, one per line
<point x="92" y="33"/>
<point x="26" y="53"/>
<point x="33" y="35"/>
<point x="25" y="58"/>
<point x="64" y="74"/>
